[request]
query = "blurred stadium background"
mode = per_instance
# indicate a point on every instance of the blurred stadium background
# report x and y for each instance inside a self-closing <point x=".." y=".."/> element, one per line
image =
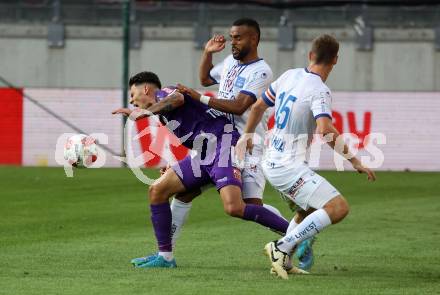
<point x="63" y="68"/>
<point x="66" y="57"/>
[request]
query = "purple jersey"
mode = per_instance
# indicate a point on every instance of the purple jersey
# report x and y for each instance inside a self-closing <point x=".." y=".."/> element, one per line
<point x="195" y="118"/>
<point x="194" y="122"/>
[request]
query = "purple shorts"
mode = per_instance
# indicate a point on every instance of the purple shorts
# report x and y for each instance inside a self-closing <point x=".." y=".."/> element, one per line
<point x="195" y="173"/>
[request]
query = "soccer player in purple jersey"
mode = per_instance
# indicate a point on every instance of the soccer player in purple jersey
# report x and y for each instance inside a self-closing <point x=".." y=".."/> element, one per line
<point x="205" y="165"/>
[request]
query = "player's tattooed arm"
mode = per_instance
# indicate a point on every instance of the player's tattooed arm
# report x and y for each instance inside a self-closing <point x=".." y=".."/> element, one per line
<point x="169" y="103"/>
<point x="235" y="106"/>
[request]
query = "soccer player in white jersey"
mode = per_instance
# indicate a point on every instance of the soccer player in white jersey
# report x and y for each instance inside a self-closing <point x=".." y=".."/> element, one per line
<point x="242" y="78"/>
<point x="302" y="105"/>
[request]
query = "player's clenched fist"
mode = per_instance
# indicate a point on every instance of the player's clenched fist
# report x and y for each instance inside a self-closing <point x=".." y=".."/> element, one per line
<point x="215" y="44"/>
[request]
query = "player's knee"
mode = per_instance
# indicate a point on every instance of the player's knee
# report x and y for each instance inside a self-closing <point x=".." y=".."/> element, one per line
<point x="156" y="194"/>
<point x="337" y="209"/>
<point x="344" y="208"/>
<point x="234" y="210"/>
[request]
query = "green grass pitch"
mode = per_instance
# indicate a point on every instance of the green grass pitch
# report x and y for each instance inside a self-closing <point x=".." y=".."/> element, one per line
<point x="77" y="235"/>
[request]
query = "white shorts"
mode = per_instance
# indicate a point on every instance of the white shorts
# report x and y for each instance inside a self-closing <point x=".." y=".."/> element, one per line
<point x="252" y="176"/>
<point x="253" y="182"/>
<point x="301" y="185"/>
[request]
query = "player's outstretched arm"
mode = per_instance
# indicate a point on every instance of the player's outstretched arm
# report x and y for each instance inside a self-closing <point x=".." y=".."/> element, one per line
<point x="169" y="103"/>
<point x="245" y="142"/>
<point x="335" y="141"/>
<point x="133" y="114"/>
<point x="215" y="44"/>
<point x="235" y="106"/>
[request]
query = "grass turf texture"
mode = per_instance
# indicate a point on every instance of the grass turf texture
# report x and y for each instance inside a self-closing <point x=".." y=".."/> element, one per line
<point x="77" y="235"/>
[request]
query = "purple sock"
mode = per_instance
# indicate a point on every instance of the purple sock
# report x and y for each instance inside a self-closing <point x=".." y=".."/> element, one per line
<point x="161" y="219"/>
<point x="265" y="217"/>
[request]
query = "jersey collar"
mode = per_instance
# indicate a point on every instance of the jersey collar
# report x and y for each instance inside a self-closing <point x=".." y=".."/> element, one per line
<point x="248" y="63"/>
<point x="310" y="72"/>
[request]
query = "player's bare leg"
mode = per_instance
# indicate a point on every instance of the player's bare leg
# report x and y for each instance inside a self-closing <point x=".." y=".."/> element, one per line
<point x="337" y="209"/>
<point x="165" y="187"/>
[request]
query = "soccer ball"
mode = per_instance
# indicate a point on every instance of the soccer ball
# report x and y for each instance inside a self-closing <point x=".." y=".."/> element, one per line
<point x="80" y="150"/>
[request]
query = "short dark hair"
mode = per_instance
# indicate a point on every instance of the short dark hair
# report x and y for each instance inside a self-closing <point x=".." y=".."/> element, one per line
<point x="250" y="23"/>
<point x="325" y="48"/>
<point x="145" y="77"/>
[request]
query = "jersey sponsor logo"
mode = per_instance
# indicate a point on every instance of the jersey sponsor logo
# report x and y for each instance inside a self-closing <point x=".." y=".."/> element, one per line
<point x="278" y="143"/>
<point x="310" y="227"/>
<point x="230" y="78"/>
<point x="223" y="94"/>
<point x="239" y="82"/>
<point x="215" y="113"/>
<point x="295" y="187"/>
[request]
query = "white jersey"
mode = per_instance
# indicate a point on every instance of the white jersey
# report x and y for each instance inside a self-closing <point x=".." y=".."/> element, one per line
<point x="251" y="78"/>
<point x="300" y="97"/>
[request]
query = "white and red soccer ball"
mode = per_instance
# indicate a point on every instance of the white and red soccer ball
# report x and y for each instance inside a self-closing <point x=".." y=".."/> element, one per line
<point x="80" y="150"/>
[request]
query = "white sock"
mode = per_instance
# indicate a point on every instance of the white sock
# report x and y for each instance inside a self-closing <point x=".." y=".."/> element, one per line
<point x="292" y="225"/>
<point x="168" y="256"/>
<point x="179" y="212"/>
<point x="310" y="226"/>
<point x="273" y="210"/>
